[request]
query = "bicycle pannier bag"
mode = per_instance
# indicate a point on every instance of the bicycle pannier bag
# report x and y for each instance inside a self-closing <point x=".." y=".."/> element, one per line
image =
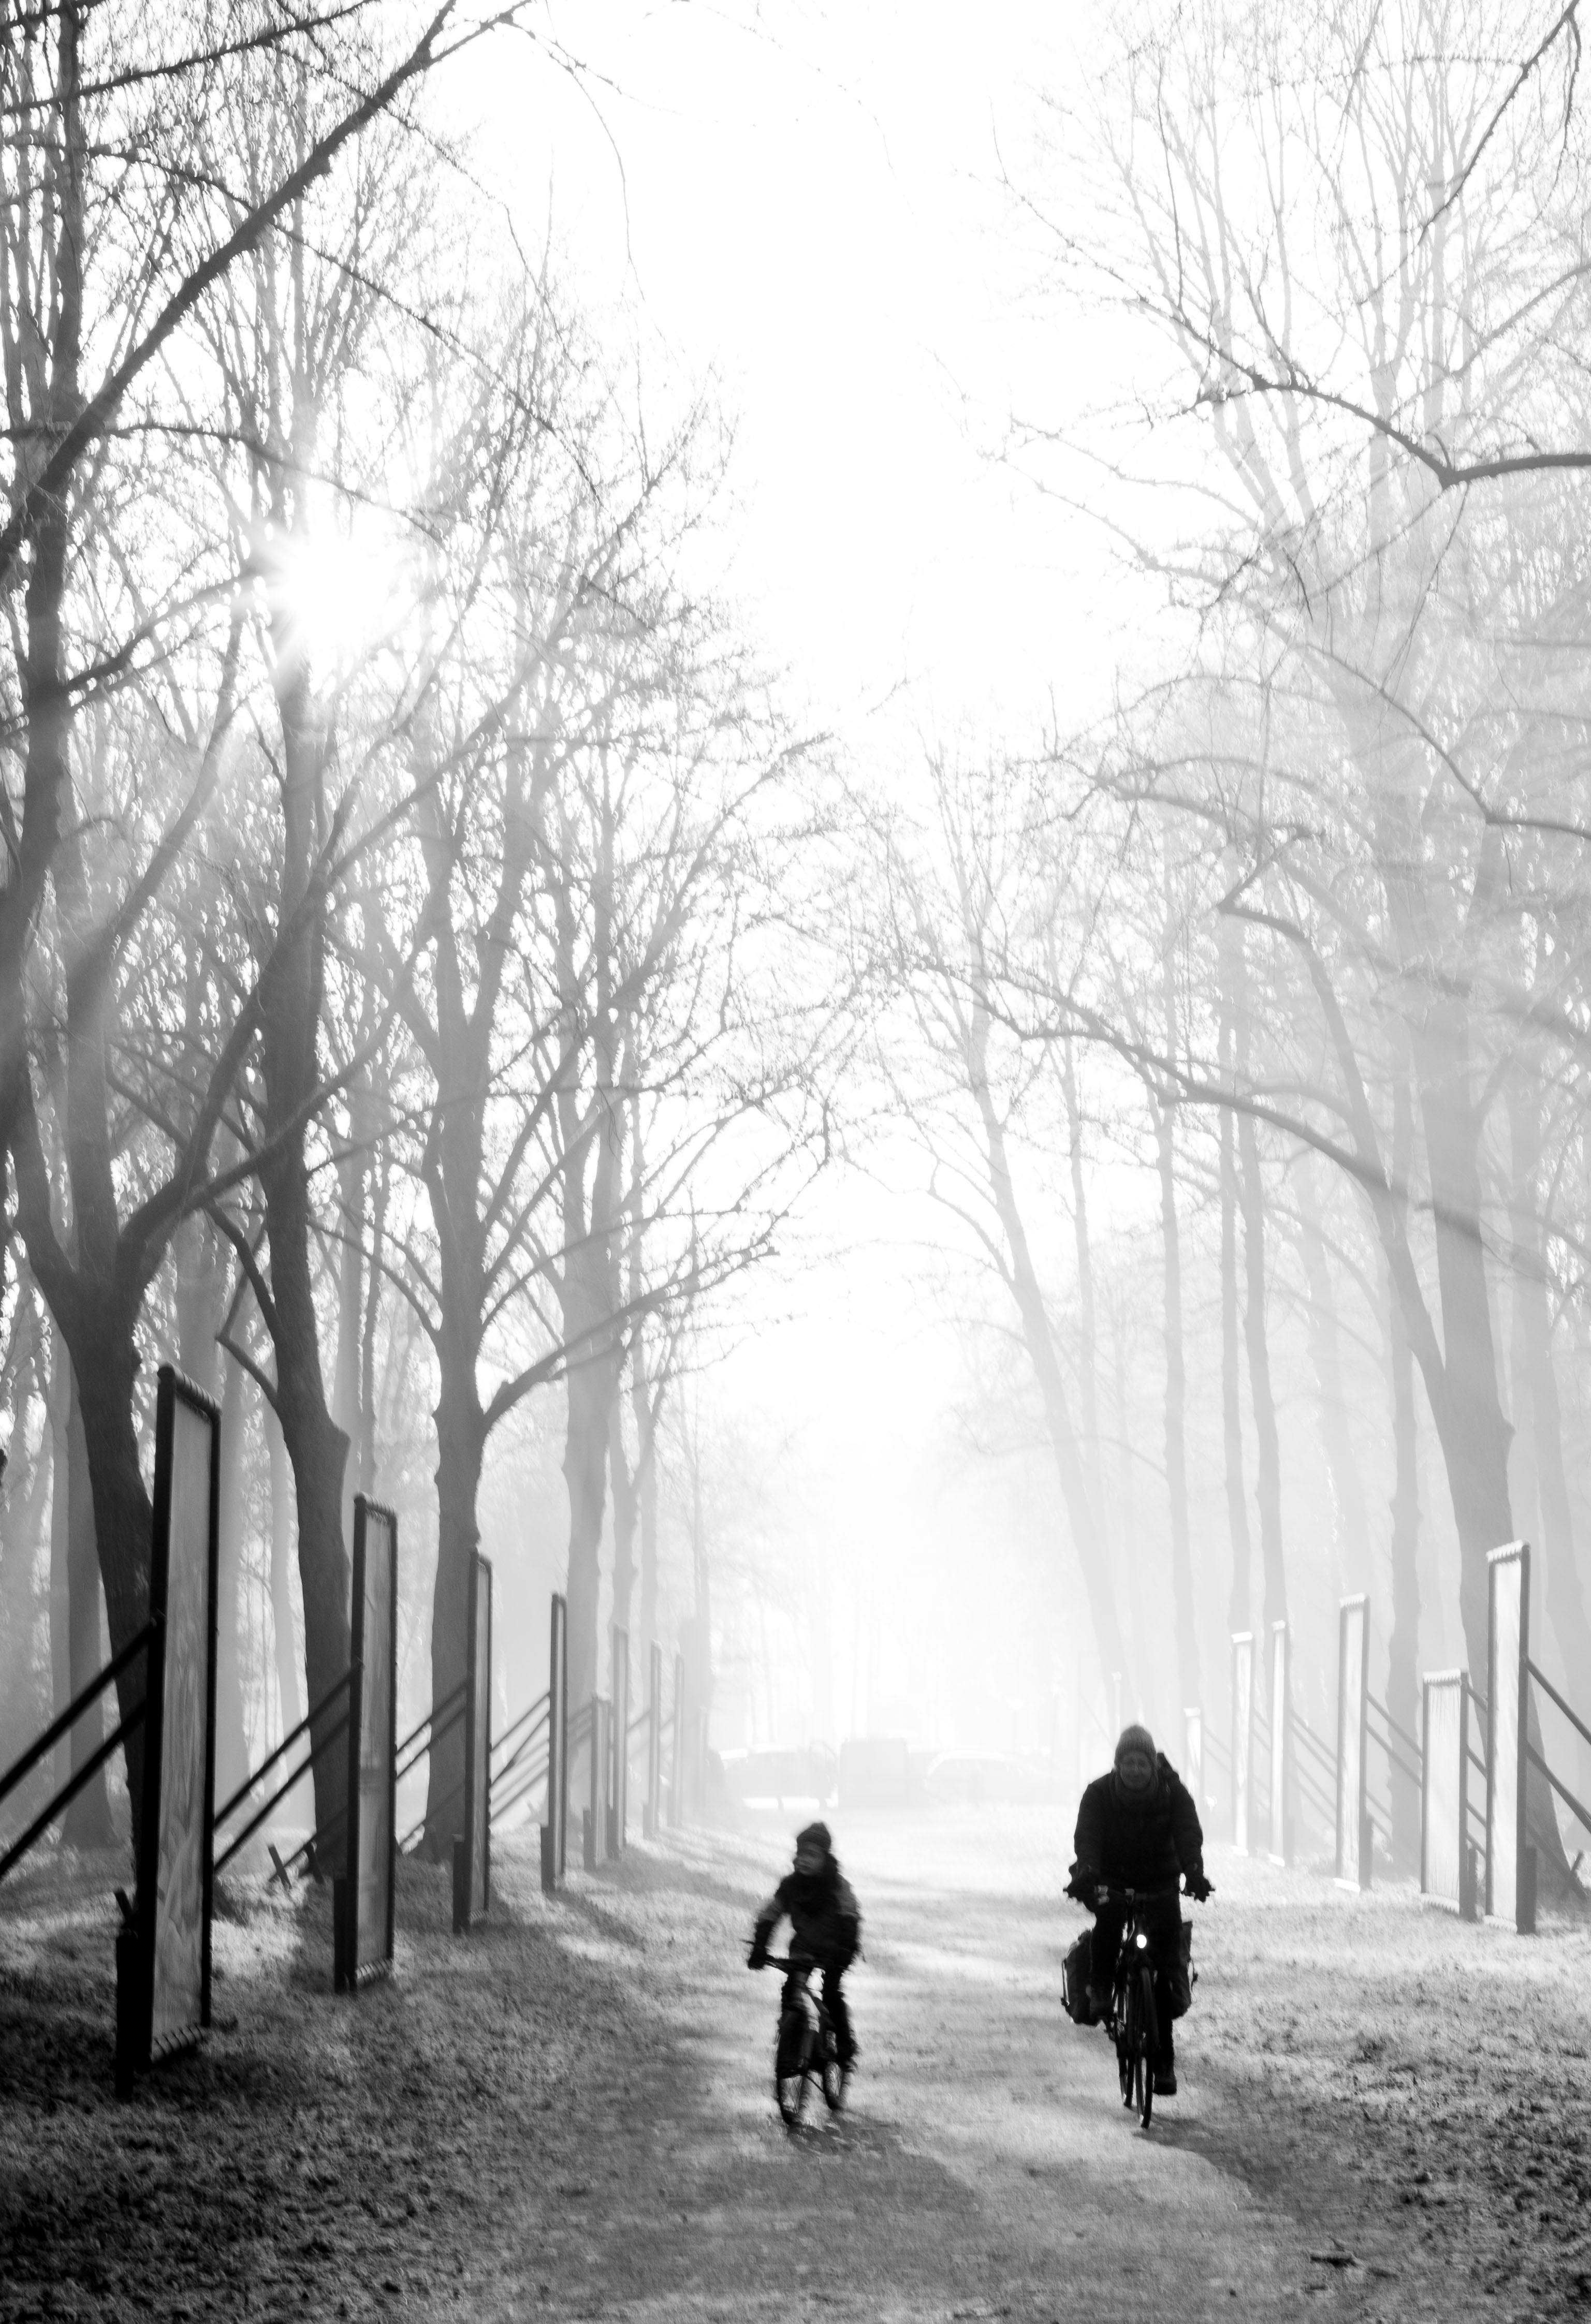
<point x="1075" y="1971"/>
<point x="1183" y="1977"/>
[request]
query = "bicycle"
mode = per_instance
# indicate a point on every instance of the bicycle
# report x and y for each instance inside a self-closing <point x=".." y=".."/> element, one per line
<point x="804" y="2049"/>
<point x="1132" y="2018"/>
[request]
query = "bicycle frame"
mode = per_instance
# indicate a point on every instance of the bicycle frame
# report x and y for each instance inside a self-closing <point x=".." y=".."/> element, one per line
<point x="1133" y="1975"/>
<point x="817" y="2051"/>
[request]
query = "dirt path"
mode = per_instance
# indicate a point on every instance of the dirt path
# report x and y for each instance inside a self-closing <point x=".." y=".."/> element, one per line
<point x="569" y="2115"/>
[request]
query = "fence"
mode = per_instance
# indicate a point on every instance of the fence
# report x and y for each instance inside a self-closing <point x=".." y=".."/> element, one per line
<point x="365" y="1898"/>
<point x="1510" y="1885"/>
<point x="163" y="1950"/>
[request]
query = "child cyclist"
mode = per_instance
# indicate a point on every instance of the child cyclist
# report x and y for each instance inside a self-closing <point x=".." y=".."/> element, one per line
<point x="825" y="1923"/>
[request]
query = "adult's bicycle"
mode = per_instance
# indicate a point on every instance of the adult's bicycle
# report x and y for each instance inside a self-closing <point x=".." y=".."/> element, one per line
<point x="804" y="2049"/>
<point x="1132" y="2018"/>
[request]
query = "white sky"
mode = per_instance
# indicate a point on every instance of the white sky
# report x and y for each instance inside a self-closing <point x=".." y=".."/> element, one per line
<point x="804" y="200"/>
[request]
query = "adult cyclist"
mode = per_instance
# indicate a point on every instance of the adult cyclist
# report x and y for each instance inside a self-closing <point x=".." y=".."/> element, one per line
<point x="1137" y="1827"/>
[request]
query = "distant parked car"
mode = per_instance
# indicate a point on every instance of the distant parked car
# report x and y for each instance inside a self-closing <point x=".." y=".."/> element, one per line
<point x="876" y="1771"/>
<point x="956" y="1778"/>
<point x="812" y="1774"/>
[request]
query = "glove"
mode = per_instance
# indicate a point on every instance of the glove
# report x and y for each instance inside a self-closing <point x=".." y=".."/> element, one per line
<point x="1200" y="1889"/>
<point x="757" y="1958"/>
<point x="1080" y="1886"/>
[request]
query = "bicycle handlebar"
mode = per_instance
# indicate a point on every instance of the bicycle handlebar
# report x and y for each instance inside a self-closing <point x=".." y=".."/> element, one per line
<point x="1130" y="1896"/>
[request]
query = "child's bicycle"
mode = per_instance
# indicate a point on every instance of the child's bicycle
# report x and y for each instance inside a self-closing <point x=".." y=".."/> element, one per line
<point x="1132" y="2021"/>
<point x="804" y="2049"/>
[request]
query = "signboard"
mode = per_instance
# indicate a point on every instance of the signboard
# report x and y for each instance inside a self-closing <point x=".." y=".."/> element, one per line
<point x="366" y="1934"/>
<point x="1243" y="1720"/>
<point x="1281" y="1744"/>
<point x="1353" y="1696"/>
<point x="477" y="1744"/>
<point x="555" y="1858"/>
<point x="1508" y="1593"/>
<point x="1444" y="1787"/>
<point x="174" y="1879"/>
<point x="655" y="1740"/>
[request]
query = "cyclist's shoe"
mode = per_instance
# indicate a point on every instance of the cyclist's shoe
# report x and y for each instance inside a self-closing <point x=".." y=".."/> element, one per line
<point x="1165" y="2084"/>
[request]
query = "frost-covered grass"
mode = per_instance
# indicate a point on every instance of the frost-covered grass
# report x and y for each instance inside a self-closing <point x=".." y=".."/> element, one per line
<point x="567" y="2113"/>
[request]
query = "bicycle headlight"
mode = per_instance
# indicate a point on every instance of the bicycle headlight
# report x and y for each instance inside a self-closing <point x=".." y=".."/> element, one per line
<point x="1143" y="1943"/>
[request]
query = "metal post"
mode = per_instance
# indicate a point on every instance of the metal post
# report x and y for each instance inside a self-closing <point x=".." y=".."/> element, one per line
<point x="619" y="1781"/>
<point x="654" y="1739"/>
<point x="1510" y="1884"/>
<point x="1281" y="1744"/>
<point x="555" y="1848"/>
<point x="677" y="1757"/>
<point x="1354" y="1857"/>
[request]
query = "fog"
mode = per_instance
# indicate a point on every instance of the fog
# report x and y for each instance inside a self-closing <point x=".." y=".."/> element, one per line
<point x="797" y="827"/>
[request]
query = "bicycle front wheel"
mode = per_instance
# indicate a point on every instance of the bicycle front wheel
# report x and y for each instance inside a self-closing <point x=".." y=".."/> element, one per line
<point x="1149" y="2044"/>
<point x="793" y="2062"/>
<point x="834" y="2080"/>
<point x="1126" y="2020"/>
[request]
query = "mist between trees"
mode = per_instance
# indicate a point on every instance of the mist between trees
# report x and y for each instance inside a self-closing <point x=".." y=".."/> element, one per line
<point x="435" y="963"/>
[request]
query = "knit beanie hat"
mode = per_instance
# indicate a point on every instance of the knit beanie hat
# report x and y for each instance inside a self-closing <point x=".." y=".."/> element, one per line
<point x="818" y="1834"/>
<point x="1136" y="1740"/>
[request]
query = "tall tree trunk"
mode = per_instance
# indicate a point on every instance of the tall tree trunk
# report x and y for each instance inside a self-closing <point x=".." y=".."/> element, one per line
<point x="461" y="1443"/>
<point x="1267" y="1444"/>
<point x="1350" y="1536"/>
<point x="1239" y="1615"/>
<point x="284" y="1642"/>
<point x="1188" y="1664"/>
<point x="231" y="1741"/>
<point x="88" y="1822"/>
<point x="1088" y="1337"/>
<point x="1023" y="1282"/>
<point x="1566" y="1606"/>
<point x="347" y="1368"/>
<point x="1403" y="1644"/>
<point x="289" y="1021"/>
<point x="25" y="1707"/>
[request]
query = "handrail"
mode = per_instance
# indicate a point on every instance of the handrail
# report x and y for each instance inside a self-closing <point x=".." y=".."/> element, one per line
<point x="74" y="1710"/>
<point x="528" y="1783"/>
<point x="280" y="1794"/>
<point x="437" y="1733"/>
<point x="321" y="1833"/>
<point x="526" y="1743"/>
<point x="1562" y="1789"/>
<point x="68" y="1790"/>
<point x="1403" y="1733"/>
<point x="1575" y="1720"/>
<point x="415" y="1732"/>
<point x="1306" y="1734"/>
<point x="416" y="1829"/>
<point x="543" y="1702"/>
<point x="286" y="1744"/>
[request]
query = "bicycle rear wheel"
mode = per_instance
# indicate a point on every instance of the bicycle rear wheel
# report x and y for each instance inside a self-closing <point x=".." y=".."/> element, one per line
<point x="792" y="2065"/>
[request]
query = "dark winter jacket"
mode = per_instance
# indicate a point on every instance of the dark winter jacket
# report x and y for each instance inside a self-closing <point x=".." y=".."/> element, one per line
<point x="1140" y="1843"/>
<point x="823" y="1913"/>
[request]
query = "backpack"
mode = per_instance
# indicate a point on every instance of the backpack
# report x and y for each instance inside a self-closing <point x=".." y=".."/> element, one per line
<point x="1075" y="1972"/>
